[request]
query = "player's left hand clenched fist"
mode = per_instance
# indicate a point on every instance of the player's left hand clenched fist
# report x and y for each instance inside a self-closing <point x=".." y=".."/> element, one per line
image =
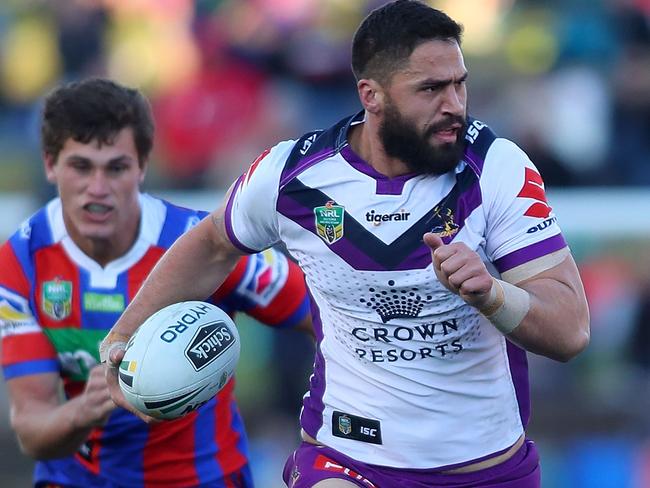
<point x="460" y="270"/>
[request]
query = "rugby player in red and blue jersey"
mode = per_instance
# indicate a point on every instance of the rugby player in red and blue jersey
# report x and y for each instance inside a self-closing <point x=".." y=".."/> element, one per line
<point x="68" y="273"/>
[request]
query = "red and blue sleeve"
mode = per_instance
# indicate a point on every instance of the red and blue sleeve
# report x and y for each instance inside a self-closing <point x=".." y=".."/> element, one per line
<point x="25" y="348"/>
<point x="267" y="286"/>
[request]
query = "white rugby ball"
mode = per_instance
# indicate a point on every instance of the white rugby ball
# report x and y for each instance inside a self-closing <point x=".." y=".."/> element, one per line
<point x="178" y="359"/>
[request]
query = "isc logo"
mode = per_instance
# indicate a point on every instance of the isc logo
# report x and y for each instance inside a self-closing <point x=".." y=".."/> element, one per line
<point x="361" y="429"/>
<point x="307" y="144"/>
<point x="474" y="130"/>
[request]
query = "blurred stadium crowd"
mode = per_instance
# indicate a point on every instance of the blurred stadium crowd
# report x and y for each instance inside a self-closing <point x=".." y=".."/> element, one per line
<point x="568" y="80"/>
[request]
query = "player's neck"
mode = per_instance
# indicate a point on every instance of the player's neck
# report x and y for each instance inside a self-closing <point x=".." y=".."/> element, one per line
<point x="104" y="250"/>
<point x="365" y="142"/>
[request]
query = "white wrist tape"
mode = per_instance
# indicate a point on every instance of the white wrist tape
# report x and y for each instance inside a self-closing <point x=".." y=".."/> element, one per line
<point x="111" y="342"/>
<point x="507" y="306"/>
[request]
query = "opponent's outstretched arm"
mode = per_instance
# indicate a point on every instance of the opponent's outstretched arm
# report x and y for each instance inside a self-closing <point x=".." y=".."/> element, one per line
<point x="546" y="313"/>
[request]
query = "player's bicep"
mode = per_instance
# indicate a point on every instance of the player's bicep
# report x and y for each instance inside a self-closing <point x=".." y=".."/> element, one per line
<point x="535" y="266"/>
<point x="560" y="290"/>
<point x="565" y="274"/>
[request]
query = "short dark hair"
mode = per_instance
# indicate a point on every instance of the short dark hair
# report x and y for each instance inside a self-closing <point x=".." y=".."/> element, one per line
<point x="95" y="108"/>
<point x="389" y="34"/>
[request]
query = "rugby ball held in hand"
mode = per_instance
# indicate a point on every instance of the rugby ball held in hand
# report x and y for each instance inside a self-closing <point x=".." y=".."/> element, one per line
<point x="178" y="359"/>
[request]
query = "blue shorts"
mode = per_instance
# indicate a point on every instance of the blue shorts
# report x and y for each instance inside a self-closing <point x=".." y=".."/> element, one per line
<point x="310" y="464"/>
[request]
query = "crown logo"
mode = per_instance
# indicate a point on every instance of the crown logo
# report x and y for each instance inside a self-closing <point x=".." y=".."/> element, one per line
<point x="393" y="303"/>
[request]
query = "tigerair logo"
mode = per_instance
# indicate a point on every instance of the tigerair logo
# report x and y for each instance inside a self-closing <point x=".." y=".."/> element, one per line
<point x="534" y="188"/>
<point x="377" y="218"/>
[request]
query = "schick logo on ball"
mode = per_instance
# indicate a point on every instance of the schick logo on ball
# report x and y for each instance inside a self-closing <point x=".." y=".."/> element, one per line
<point x="209" y="342"/>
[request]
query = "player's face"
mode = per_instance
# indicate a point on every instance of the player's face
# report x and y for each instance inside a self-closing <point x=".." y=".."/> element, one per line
<point x="99" y="185"/>
<point x="425" y="109"/>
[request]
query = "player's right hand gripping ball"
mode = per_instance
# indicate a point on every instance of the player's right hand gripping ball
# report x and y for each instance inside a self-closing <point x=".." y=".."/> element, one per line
<point x="178" y="359"/>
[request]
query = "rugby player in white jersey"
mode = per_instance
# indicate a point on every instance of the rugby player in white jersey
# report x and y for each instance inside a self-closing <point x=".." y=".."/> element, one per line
<point x="433" y="260"/>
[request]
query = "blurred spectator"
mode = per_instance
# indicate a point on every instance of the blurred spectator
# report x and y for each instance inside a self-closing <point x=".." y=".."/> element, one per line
<point x="638" y="344"/>
<point x="198" y="119"/>
<point x="81" y="30"/>
<point x="630" y="149"/>
<point x="215" y="69"/>
<point x="556" y="173"/>
<point x="577" y="124"/>
<point x="640" y="339"/>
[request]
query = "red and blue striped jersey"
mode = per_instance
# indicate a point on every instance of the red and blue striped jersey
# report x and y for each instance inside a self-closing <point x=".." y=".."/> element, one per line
<point x="57" y="304"/>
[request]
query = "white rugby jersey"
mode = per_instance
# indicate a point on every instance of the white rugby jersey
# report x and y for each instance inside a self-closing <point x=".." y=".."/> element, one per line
<point x="406" y="374"/>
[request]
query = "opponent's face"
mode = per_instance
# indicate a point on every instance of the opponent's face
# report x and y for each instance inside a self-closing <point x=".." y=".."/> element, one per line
<point x="425" y="109"/>
<point x="99" y="185"/>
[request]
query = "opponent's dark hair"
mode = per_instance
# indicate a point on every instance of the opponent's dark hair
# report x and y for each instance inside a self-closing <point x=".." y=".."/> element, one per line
<point x="388" y="35"/>
<point x="95" y="109"/>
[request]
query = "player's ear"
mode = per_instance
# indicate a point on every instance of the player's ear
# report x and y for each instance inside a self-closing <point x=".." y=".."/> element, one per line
<point x="371" y="95"/>
<point x="49" y="162"/>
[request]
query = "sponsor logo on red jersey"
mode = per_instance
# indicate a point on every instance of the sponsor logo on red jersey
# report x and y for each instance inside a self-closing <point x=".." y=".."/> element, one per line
<point x="264" y="278"/>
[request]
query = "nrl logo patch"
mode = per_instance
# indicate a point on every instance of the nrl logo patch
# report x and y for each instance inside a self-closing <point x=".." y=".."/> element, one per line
<point x="345" y="424"/>
<point x="57" y="299"/>
<point x="329" y="221"/>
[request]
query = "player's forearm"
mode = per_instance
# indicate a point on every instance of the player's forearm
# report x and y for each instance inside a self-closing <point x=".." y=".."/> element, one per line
<point x="51" y="432"/>
<point x="557" y="323"/>
<point x="191" y="269"/>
